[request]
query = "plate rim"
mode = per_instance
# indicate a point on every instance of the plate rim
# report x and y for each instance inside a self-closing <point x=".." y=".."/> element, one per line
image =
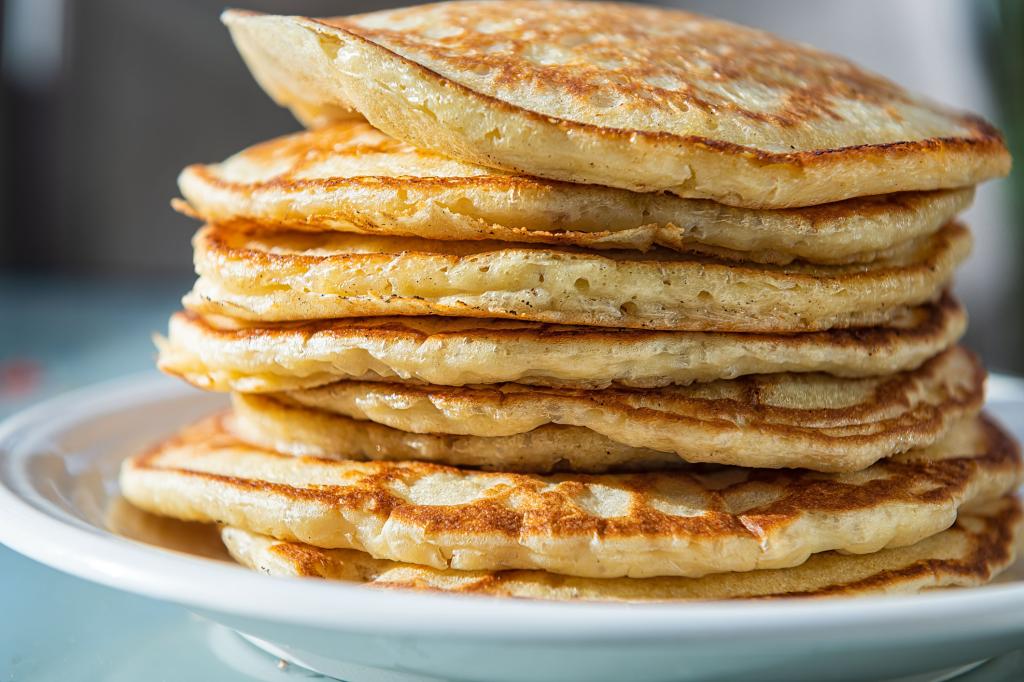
<point x="100" y="556"/>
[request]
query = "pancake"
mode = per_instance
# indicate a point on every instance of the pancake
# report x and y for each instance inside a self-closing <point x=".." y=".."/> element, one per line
<point x="682" y="523"/>
<point x="978" y="547"/>
<point x="781" y="420"/>
<point x="287" y="428"/>
<point x="634" y="97"/>
<point x="280" y="276"/>
<point x="352" y="178"/>
<point x="221" y="354"/>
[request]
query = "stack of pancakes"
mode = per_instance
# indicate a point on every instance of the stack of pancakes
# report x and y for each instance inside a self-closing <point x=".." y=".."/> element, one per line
<point x="582" y="300"/>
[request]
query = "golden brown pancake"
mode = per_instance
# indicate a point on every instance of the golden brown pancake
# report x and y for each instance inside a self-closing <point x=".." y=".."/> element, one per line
<point x="681" y="523"/>
<point x="352" y="178"/>
<point x="978" y="547"/>
<point x="276" y="276"/>
<point x="223" y="354"/>
<point x="642" y="98"/>
<point x="779" y="420"/>
<point x="287" y="428"/>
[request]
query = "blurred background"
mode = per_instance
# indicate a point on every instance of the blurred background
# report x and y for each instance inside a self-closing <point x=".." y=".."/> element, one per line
<point x="103" y="102"/>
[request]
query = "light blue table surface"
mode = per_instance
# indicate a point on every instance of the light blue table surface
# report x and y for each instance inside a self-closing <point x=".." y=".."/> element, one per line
<point x="56" y="628"/>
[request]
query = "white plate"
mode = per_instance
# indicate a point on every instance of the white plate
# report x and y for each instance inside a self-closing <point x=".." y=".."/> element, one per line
<point x="58" y="473"/>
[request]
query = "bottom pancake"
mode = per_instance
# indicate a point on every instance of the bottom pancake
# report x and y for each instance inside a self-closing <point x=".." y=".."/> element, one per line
<point x="978" y="547"/>
<point x="684" y="522"/>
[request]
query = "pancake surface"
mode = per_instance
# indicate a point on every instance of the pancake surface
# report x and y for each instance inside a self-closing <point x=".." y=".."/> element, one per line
<point x="621" y="95"/>
<point x="978" y="547"/>
<point x="812" y="421"/>
<point x="223" y="355"/>
<point x="352" y="178"/>
<point x="683" y="523"/>
<point x="278" y="276"/>
<point x="287" y="428"/>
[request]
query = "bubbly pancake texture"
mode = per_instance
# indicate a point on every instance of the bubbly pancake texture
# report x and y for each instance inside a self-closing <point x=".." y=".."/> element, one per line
<point x="626" y="96"/>
<point x="352" y="178"/>
<point x="782" y="420"/>
<point x="279" y="276"/>
<point x="221" y="354"/>
<point x="681" y="523"/>
<point x="978" y="547"/>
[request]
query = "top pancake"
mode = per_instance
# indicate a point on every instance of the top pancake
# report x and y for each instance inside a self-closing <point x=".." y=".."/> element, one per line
<point x="351" y="177"/>
<point x="620" y="95"/>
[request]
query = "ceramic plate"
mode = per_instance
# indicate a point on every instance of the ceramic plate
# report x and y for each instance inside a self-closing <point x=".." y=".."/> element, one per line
<point x="59" y="505"/>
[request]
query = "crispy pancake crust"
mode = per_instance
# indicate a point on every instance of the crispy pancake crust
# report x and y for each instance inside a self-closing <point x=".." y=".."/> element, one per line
<point x="352" y="178"/>
<point x="783" y="420"/>
<point x="682" y="523"/>
<point x="621" y="95"/>
<point x="978" y="547"/>
<point x="279" y="276"/>
<point x="225" y="355"/>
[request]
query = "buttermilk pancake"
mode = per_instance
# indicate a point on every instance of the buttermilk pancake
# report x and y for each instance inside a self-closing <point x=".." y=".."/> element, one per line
<point x="641" y="98"/>
<point x="813" y="421"/>
<point x="679" y="523"/>
<point x="278" y="276"/>
<point x="222" y="354"/>
<point x="286" y="427"/>
<point x="977" y="548"/>
<point x="352" y="178"/>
